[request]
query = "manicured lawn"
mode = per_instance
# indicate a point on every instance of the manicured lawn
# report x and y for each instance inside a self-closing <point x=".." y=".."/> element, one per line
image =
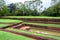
<point x="10" y="21"/>
<point x="43" y="35"/>
<point x="42" y="24"/>
<point x="10" y="36"/>
<point x="3" y="25"/>
<point x="30" y="17"/>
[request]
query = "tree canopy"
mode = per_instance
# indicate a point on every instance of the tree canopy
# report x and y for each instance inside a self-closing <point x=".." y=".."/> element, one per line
<point x="29" y="8"/>
<point x="53" y="10"/>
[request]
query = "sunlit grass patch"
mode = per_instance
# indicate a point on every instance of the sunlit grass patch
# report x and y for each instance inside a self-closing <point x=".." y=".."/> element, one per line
<point x="10" y="36"/>
<point x="10" y="21"/>
<point x="3" y="25"/>
<point x="31" y="17"/>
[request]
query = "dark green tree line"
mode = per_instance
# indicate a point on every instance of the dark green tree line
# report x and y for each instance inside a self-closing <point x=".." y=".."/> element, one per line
<point x="54" y="10"/>
<point x="29" y="8"/>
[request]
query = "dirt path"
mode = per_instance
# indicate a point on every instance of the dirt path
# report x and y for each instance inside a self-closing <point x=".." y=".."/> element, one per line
<point x="27" y="35"/>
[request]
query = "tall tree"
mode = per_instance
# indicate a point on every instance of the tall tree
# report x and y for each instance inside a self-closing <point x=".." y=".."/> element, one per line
<point x="12" y="8"/>
<point x="33" y="5"/>
<point x="55" y="1"/>
<point x="2" y="3"/>
<point x="53" y="10"/>
<point x="3" y="8"/>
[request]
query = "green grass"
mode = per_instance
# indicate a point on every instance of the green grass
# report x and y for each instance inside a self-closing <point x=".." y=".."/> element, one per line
<point x="10" y="21"/>
<point x="42" y="24"/>
<point x="31" y="17"/>
<point x="43" y="35"/>
<point x="10" y="36"/>
<point x="3" y="25"/>
<point x="3" y="21"/>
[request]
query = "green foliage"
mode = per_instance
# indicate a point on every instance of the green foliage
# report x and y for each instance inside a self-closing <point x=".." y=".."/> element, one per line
<point x="20" y="9"/>
<point x="12" y="9"/>
<point x="3" y="8"/>
<point x="53" y="10"/>
<point x="29" y="8"/>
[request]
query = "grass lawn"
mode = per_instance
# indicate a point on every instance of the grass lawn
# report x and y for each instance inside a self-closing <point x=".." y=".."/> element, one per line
<point x="10" y="36"/>
<point x="3" y="21"/>
<point x="43" y="35"/>
<point x="10" y="21"/>
<point x="31" y="17"/>
<point x="42" y="24"/>
<point x="3" y="25"/>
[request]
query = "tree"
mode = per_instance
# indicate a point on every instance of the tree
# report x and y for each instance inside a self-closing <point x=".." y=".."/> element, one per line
<point x="53" y="10"/>
<point x="12" y="8"/>
<point x="29" y="8"/>
<point x="3" y="8"/>
<point x="56" y="7"/>
<point x="33" y="5"/>
<point x="2" y="4"/>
